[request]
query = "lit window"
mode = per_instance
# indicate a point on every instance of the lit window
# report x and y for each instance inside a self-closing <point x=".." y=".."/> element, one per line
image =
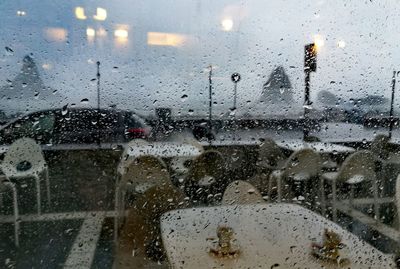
<point x="121" y="33"/>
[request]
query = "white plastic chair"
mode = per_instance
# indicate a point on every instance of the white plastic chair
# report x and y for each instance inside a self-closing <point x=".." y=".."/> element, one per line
<point x="270" y="155"/>
<point x="358" y="167"/>
<point x="241" y="192"/>
<point x="301" y="165"/>
<point x="142" y="174"/>
<point x="26" y="150"/>
<point x="4" y="185"/>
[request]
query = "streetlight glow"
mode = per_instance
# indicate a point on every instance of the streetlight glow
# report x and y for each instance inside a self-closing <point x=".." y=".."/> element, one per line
<point x="227" y="24"/>
<point x="341" y="44"/>
<point x="319" y="42"/>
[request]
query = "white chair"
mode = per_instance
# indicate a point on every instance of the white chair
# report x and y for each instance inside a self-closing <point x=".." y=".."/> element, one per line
<point x="270" y="155"/>
<point x="301" y="166"/>
<point x="4" y="185"/>
<point x="126" y="159"/>
<point x="142" y="174"/>
<point x="25" y="152"/>
<point x="241" y="192"/>
<point x="358" y="167"/>
<point x="397" y="196"/>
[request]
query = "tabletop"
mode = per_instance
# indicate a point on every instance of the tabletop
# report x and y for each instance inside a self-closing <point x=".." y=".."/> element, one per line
<point x="263" y="236"/>
<point x="165" y="150"/>
<point x="323" y="147"/>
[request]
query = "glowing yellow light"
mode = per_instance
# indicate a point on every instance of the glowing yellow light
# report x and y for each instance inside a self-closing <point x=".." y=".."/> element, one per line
<point x="121" y="33"/>
<point x="80" y="13"/>
<point x="90" y="32"/>
<point x="341" y="44"/>
<point x="101" y="14"/>
<point x="55" y="34"/>
<point x="227" y="24"/>
<point x="21" y="13"/>
<point x="319" y="41"/>
<point x="165" y="39"/>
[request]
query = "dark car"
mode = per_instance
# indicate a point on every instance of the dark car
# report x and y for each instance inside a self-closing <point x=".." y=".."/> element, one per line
<point x="76" y="126"/>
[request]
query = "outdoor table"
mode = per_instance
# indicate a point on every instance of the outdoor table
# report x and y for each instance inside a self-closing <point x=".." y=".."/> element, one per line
<point x="264" y="236"/>
<point x="322" y="147"/>
<point x="165" y="150"/>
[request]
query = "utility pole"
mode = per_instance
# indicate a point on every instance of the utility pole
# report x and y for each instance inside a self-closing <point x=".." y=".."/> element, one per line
<point x="98" y="103"/>
<point x="210" y="102"/>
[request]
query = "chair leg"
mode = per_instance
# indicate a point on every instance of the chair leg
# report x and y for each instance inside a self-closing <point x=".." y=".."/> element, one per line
<point x="116" y="217"/>
<point x="334" y="198"/>
<point x="376" y="196"/>
<point x="48" y="186"/>
<point x="279" y="184"/>
<point x="38" y="197"/>
<point x="1" y="200"/>
<point x="16" y="212"/>
<point x="323" y="201"/>
<point x="271" y="178"/>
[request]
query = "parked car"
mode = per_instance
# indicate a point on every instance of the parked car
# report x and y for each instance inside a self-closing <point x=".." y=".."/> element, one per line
<point x="76" y="126"/>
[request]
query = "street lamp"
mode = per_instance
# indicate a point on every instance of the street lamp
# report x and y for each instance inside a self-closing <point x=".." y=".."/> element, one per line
<point x="310" y="65"/>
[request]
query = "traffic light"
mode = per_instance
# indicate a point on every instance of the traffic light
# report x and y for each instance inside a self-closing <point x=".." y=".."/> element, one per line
<point x="310" y="58"/>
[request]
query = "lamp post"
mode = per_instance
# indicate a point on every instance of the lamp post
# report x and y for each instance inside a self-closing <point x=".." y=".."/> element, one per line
<point x="210" y="103"/>
<point x="310" y="65"/>
<point x="391" y="123"/>
<point x="235" y="77"/>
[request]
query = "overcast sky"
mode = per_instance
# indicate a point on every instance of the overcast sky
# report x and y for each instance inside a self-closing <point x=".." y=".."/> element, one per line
<point x="258" y="36"/>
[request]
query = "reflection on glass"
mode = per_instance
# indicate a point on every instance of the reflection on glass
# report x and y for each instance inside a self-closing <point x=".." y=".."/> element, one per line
<point x="90" y="32"/>
<point x="80" y="13"/>
<point x="121" y="33"/>
<point x="227" y="24"/>
<point x="101" y="14"/>
<point x="21" y="13"/>
<point x="101" y="32"/>
<point x="341" y="44"/>
<point x="46" y="66"/>
<point x="165" y="39"/>
<point x="55" y="34"/>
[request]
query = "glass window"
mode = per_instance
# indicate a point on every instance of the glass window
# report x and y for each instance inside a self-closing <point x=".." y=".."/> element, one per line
<point x="199" y="134"/>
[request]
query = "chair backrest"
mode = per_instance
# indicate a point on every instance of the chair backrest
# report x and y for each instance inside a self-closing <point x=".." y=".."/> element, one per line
<point x="380" y="146"/>
<point x="359" y="166"/>
<point x="22" y="150"/>
<point x="303" y="164"/>
<point x="209" y="163"/>
<point x="126" y="159"/>
<point x="270" y="154"/>
<point x="241" y="192"/>
<point x="397" y="194"/>
<point x="143" y="173"/>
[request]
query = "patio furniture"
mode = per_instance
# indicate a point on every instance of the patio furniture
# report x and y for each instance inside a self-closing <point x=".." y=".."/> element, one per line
<point x="241" y="192"/>
<point x="4" y="186"/>
<point x="357" y="168"/>
<point x="24" y="159"/>
<point x="205" y="181"/>
<point x="261" y="236"/>
<point x="300" y="167"/>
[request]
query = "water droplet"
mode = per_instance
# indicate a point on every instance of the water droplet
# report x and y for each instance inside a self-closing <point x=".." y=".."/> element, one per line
<point x="84" y="101"/>
<point x="9" y="50"/>
<point x="184" y="97"/>
<point x="64" y="110"/>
